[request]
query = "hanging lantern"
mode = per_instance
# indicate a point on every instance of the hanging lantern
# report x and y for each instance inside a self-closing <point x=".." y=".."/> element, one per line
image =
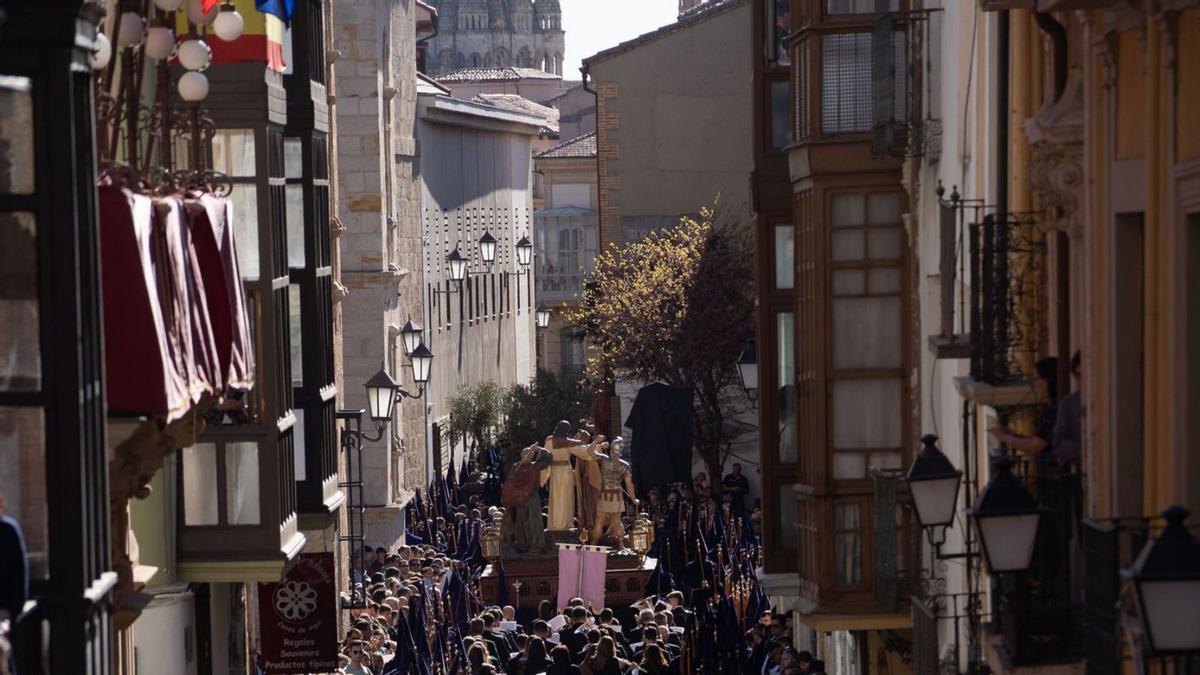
<point x="229" y="24"/>
<point x="422" y="362"/>
<point x="411" y="333"/>
<point x="381" y="396"/>
<point x="490" y="542"/>
<point x="639" y="535"/>
<point x="543" y="316"/>
<point x="458" y="265"/>
<point x="193" y="86"/>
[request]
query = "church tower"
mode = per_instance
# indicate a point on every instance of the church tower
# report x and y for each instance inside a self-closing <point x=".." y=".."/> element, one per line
<point x="547" y="26"/>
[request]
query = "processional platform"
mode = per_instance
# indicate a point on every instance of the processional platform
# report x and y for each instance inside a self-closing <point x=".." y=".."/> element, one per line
<point x="624" y="583"/>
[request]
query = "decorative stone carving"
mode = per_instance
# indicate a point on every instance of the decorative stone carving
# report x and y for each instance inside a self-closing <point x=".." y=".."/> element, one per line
<point x="1055" y="135"/>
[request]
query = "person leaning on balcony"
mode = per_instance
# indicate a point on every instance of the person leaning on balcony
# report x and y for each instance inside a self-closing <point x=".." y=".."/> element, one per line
<point x="1067" y="437"/>
<point x="1045" y="386"/>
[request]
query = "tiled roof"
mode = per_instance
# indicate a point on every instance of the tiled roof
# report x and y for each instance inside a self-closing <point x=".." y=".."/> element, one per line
<point x="521" y="104"/>
<point x="700" y="13"/>
<point x="577" y="148"/>
<point x="497" y="75"/>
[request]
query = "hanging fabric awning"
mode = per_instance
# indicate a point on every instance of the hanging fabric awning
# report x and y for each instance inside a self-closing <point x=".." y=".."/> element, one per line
<point x="216" y="254"/>
<point x="142" y="375"/>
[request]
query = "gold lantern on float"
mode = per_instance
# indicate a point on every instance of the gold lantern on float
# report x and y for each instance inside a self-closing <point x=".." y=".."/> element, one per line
<point x="489" y="542"/>
<point x="640" y="535"/>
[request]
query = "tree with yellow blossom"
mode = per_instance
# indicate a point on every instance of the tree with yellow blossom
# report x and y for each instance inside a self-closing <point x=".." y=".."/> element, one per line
<point x="676" y="306"/>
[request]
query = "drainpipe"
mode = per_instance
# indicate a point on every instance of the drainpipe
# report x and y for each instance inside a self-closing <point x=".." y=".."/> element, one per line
<point x="1002" y="121"/>
<point x="1058" y="42"/>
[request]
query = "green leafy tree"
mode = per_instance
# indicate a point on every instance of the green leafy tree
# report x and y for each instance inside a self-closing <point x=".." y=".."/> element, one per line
<point x="475" y="414"/>
<point x="676" y="306"/>
<point x="531" y="410"/>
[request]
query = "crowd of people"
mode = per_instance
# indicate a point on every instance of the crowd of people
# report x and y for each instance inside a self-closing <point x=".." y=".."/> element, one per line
<point x="420" y="609"/>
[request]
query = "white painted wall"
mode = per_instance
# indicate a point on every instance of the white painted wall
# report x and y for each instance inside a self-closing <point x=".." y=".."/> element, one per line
<point x="164" y="636"/>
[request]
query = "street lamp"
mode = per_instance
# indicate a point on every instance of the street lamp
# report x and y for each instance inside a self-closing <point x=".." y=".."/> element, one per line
<point x="1007" y="519"/>
<point x="933" y="482"/>
<point x="487" y="248"/>
<point x="381" y="396"/>
<point x="543" y="316"/>
<point x="411" y="333"/>
<point x="422" y="362"/>
<point x="1166" y="582"/>
<point x="524" y="252"/>
<point x="747" y="364"/>
<point x="458" y="265"/>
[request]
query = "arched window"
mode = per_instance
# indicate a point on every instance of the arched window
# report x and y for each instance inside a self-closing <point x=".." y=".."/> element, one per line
<point x="475" y="60"/>
<point x="546" y="64"/>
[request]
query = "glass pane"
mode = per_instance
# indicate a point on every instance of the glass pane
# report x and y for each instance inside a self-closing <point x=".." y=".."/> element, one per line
<point x="883" y="280"/>
<point x="847" y="549"/>
<point x="295" y="330"/>
<point x="298" y="441"/>
<point x="294" y="215"/>
<point x="199" y="484"/>
<point x="847" y="210"/>
<point x="884" y="243"/>
<point x="848" y="245"/>
<point x="781" y="111"/>
<point x="241" y="484"/>
<point x="848" y="282"/>
<point x="849" y="465"/>
<point x="847" y="102"/>
<point x="866" y="413"/>
<point x="787" y="516"/>
<point x="20" y="349"/>
<point x="785" y="256"/>
<point x="244" y="200"/>
<point x="884" y="460"/>
<point x="861" y="6"/>
<point x="786" y="382"/>
<point x="293" y="158"/>
<point x="23" y="481"/>
<point x="782" y="26"/>
<point x="233" y="152"/>
<point x="16" y="135"/>
<point x="884" y="208"/>
<point x="866" y="332"/>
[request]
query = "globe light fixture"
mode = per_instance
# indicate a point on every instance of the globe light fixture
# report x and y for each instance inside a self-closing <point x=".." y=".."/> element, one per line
<point x="197" y="15"/>
<point x="193" y="86"/>
<point x="933" y="482"/>
<point x="102" y="52"/>
<point x="458" y="265"/>
<point x="1166" y="583"/>
<point x="747" y="364"/>
<point x="160" y="42"/>
<point x="487" y="248"/>
<point x="381" y="396"/>
<point x="1007" y="519"/>
<point x="543" y="316"/>
<point x="131" y="29"/>
<point x="195" y="54"/>
<point x="411" y="333"/>
<point x="524" y="252"/>
<point x="229" y="23"/>
<point x="422" y="363"/>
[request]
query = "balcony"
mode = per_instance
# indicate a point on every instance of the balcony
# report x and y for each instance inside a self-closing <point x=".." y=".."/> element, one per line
<point x="902" y="51"/>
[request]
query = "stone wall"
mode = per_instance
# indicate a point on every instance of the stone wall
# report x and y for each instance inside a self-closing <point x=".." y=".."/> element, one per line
<point x="380" y="248"/>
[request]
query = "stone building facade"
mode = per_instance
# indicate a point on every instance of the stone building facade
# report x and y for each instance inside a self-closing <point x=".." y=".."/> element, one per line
<point x="486" y="33"/>
<point x="380" y="240"/>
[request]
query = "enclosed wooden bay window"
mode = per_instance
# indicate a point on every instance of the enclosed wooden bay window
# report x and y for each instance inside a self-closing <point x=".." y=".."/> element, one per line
<point x="238" y="512"/>
<point x="306" y="176"/>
